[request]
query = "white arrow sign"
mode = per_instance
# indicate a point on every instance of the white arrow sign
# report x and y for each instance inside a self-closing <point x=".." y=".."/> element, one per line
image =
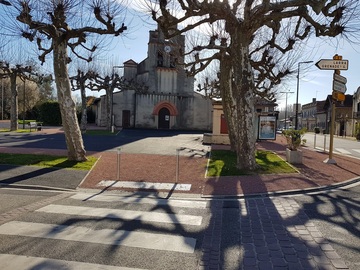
<point x="338" y="86"/>
<point x="329" y="64"/>
<point x="340" y="78"/>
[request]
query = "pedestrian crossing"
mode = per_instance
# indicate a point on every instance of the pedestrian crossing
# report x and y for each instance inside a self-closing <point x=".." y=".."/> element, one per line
<point x="9" y="261"/>
<point x="168" y="231"/>
<point x="343" y="151"/>
<point x="122" y="214"/>
<point x="104" y="236"/>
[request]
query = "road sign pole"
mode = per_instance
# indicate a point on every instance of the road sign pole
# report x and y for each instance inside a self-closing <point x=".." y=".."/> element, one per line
<point x="331" y="160"/>
<point x="339" y="88"/>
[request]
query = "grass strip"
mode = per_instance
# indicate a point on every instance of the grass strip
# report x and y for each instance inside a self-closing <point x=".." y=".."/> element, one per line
<point x="46" y="161"/>
<point x="223" y="163"/>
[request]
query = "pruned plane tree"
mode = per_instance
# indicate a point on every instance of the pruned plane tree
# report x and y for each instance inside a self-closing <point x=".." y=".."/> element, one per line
<point x="249" y="41"/>
<point x="61" y="26"/>
<point x="15" y="72"/>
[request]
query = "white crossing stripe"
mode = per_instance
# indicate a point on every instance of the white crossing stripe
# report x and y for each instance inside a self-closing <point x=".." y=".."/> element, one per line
<point x="104" y="236"/>
<point x="356" y="150"/>
<point x="138" y="199"/>
<point x="144" y="185"/>
<point x="122" y="214"/>
<point x="343" y="151"/>
<point x="18" y="262"/>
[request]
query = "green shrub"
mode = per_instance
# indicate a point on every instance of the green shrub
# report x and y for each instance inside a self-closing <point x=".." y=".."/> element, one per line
<point x="294" y="138"/>
<point x="49" y="113"/>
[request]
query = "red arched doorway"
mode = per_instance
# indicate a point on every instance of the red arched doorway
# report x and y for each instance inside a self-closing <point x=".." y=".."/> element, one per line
<point x="164" y="118"/>
<point x="165" y="112"/>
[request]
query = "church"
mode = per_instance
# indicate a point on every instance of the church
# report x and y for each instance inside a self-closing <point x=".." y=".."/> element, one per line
<point x="169" y="101"/>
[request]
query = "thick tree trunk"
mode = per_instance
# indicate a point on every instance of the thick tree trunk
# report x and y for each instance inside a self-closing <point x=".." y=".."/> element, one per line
<point x="237" y="89"/>
<point x="13" y="103"/>
<point x="70" y="124"/>
<point x="83" y="122"/>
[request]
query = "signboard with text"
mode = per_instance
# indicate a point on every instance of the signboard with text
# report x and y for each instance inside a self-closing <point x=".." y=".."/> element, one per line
<point x="339" y="87"/>
<point x="267" y="127"/>
<point x="330" y="64"/>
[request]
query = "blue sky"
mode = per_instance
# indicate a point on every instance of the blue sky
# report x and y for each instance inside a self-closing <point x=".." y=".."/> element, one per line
<point x="314" y="83"/>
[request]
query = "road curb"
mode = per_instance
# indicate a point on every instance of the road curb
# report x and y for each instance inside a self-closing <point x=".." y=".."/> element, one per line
<point x="36" y="187"/>
<point x="349" y="182"/>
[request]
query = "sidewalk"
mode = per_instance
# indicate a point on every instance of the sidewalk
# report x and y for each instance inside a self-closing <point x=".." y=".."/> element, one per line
<point x="142" y="171"/>
<point x="313" y="174"/>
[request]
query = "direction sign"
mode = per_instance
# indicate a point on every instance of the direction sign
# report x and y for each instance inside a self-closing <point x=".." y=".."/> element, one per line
<point x="338" y="96"/>
<point x="339" y="87"/>
<point x="340" y="78"/>
<point x="330" y="64"/>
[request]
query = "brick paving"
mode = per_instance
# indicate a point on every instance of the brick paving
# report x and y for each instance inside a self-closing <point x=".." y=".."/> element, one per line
<point x="273" y="233"/>
<point x="313" y="173"/>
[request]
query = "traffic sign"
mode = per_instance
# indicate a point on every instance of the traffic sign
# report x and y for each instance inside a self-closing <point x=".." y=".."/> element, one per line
<point x="338" y="86"/>
<point x="340" y="78"/>
<point x="338" y="96"/>
<point x="330" y="64"/>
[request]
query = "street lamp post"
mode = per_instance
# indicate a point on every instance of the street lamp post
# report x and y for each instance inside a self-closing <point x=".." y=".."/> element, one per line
<point x="288" y="92"/>
<point x="2" y="98"/>
<point x="297" y="93"/>
<point x="24" y="105"/>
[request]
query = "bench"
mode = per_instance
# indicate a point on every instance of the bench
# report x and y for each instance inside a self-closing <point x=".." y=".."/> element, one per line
<point x="34" y="125"/>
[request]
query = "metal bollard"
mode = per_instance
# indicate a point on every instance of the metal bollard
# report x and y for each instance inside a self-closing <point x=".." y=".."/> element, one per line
<point x="177" y="165"/>
<point x="315" y="140"/>
<point x="324" y="142"/>
<point x="118" y="163"/>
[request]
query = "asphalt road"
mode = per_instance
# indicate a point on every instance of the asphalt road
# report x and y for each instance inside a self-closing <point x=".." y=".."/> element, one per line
<point x="342" y="145"/>
<point x="44" y="229"/>
<point x="11" y="199"/>
<point x="129" y="140"/>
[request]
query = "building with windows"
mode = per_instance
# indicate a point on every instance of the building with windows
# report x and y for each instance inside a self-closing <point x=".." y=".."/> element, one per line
<point x="313" y="115"/>
<point x="168" y="101"/>
<point x="343" y="115"/>
<point x="356" y="110"/>
<point x="219" y="135"/>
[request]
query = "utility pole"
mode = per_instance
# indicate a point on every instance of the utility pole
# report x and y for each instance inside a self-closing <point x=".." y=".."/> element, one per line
<point x="297" y="93"/>
<point x="286" y="93"/>
<point x="24" y="105"/>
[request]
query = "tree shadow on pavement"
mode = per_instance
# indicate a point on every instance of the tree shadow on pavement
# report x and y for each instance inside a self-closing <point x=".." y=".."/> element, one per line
<point x="42" y="176"/>
<point x="123" y="229"/>
<point x="265" y="233"/>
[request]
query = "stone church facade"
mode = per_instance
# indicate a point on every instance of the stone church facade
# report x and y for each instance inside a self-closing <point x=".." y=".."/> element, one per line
<point x="169" y="101"/>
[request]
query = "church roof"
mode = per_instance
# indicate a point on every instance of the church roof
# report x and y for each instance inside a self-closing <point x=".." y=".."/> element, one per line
<point x="130" y="62"/>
